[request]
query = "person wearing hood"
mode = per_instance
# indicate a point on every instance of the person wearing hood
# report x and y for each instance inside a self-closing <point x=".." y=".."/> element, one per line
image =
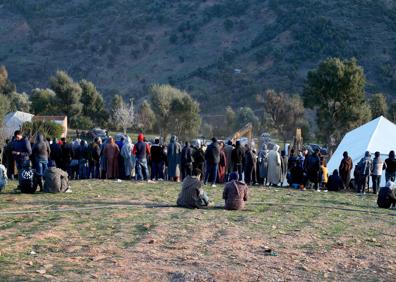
<point x="274" y="166"/>
<point x="128" y="158"/>
<point x="186" y="161"/>
<point x="390" y="167"/>
<point x="212" y="159"/>
<point x="387" y="196"/>
<point x="67" y="155"/>
<point x="345" y="169"/>
<point x="249" y="165"/>
<point x="335" y="183"/>
<point x="95" y="152"/>
<point x="312" y="168"/>
<point x="263" y="164"/>
<point x="158" y="159"/>
<point x="41" y="152"/>
<point x="173" y="156"/>
<point x="56" y="152"/>
<point x="199" y="158"/>
<point x="376" y="173"/>
<point x="365" y="166"/>
<point x="237" y="157"/>
<point x="56" y="180"/>
<point x="111" y="153"/>
<point x="235" y="193"/>
<point x="192" y="195"/>
<point x="141" y="150"/>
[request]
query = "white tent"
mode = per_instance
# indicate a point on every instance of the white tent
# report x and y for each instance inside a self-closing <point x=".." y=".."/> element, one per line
<point x="376" y="135"/>
<point x="14" y="120"/>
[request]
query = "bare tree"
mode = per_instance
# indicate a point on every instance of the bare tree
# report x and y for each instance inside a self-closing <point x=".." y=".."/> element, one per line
<point x="124" y="115"/>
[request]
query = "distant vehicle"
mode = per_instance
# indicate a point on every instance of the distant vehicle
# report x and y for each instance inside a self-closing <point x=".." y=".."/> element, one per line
<point x="97" y="132"/>
<point x="323" y="150"/>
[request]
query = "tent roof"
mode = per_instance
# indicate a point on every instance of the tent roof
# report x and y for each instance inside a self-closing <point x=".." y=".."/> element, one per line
<point x="376" y="135"/>
<point x="17" y="116"/>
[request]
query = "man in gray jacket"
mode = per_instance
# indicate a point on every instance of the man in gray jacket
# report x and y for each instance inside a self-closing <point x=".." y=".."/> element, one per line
<point x="56" y="180"/>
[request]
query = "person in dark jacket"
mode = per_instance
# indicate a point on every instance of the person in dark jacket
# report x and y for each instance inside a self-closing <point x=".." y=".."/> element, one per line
<point x="21" y="149"/>
<point x="296" y="178"/>
<point x="56" y="180"/>
<point x="335" y="183"/>
<point x="96" y="148"/>
<point x="390" y="167"/>
<point x="212" y="159"/>
<point x="27" y="179"/>
<point x="67" y="153"/>
<point x="199" y="158"/>
<point x="56" y="152"/>
<point x="237" y="157"/>
<point x="41" y="152"/>
<point x="250" y="161"/>
<point x="387" y="196"/>
<point x="158" y="158"/>
<point x="192" y="195"/>
<point x="312" y="168"/>
<point x="141" y="150"/>
<point x="186" y="161"/>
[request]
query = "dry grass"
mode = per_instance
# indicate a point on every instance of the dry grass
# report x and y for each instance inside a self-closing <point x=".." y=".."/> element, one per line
<point x="136" y="234"/>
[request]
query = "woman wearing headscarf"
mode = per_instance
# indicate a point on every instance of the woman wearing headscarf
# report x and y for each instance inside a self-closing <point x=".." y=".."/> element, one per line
<point x="221" y="172"/>
<point x="111" y="153"/>
<point x="263" y="163"/>
<point x="174" y="155"/>
<point x="126" y="153"/>
<point x="274" y="166"/>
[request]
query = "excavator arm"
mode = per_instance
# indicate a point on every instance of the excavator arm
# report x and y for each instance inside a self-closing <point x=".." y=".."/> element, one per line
<point x="247" y="131"/>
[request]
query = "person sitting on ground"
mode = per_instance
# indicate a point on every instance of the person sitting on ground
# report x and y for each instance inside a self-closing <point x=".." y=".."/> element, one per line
<point x="235" y="193"/>
<point x="56" y="180"/>
<point x="192" y="196"/>
<point x="3" y="177"/>
<point x="296" y="177"/>
<point x="387" y="196"/>
<point x="26" y="179"/>
<point x="335" y="182"/>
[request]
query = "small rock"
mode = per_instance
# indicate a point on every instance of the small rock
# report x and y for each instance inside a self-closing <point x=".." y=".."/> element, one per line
<point x="41" y="271"/>
<point x="33" y="253"/>
<point x="29" y="263"/>
<point x="273" y="226"/>
<point x="152" y="241"/>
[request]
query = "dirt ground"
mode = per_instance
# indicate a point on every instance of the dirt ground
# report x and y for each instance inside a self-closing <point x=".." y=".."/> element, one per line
<point x="107" y="231"/>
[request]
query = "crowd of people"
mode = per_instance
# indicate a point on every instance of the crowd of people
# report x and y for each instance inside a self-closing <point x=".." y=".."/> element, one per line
<point x="235" y="165"/>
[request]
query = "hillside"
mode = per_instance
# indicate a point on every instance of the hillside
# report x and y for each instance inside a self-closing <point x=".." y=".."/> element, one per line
<point x="222" y="51"/>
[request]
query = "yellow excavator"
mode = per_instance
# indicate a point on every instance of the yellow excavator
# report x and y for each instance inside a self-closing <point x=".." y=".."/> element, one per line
<point x="247" y="131"/>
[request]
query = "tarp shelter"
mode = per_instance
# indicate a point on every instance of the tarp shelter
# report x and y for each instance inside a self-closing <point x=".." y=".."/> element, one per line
<point x="14" y="120"/>
<point x="376" y="135"/>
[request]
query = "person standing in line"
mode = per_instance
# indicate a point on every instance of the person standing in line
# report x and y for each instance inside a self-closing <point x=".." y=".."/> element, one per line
<point x="376" y="172"/>
<point x="186" y="161"/>
<point x="21" y="149"/>
<point x="212" y="159"/>
<point x="126" y="154"/>
<point x="263" y="164"/>
<point x="390" y="167"/>
<point x="237" y="157"/>
<point x="111" y="153"/>
<point x="274" y="166"/>
<point x="173" y="157"/>
<point x="41" y="152"/>
<point x="221" y="174"/>
<point x="365" y="166"/>
<point x="228" y="153"/>
<point x="345" y="169"/>
<point x="141" y="150"/>
<point x="158" y="158"/>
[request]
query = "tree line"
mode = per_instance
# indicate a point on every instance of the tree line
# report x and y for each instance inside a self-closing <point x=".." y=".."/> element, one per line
<point x="332" y="102"/>
<point x="167" y="109"/>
